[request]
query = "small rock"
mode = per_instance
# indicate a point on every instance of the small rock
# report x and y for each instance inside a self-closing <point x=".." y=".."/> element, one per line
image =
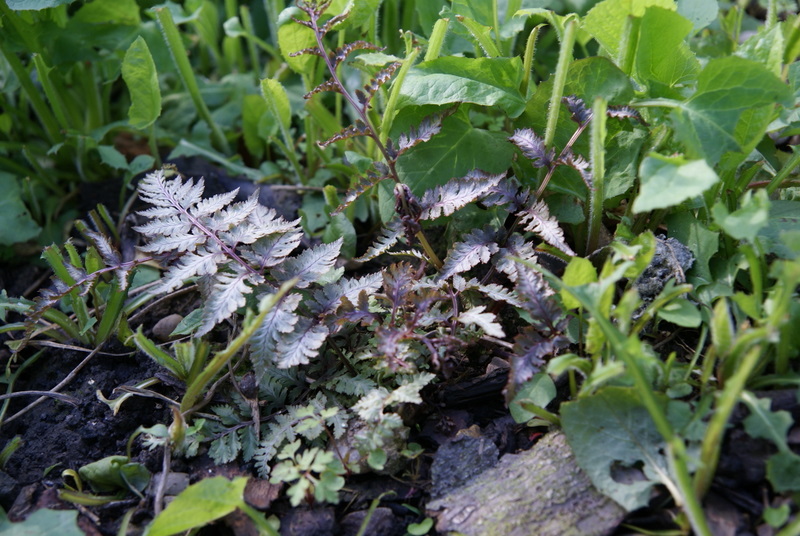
<point x="308" y="522"/>
<point x="460" y="459"/>
<point x="382" y="523"/>
<point x="164" y="327"/>
<point x="260" y="493"/>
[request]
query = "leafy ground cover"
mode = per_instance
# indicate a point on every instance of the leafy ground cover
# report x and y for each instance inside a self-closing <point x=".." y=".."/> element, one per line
<point x="418" y="222"/>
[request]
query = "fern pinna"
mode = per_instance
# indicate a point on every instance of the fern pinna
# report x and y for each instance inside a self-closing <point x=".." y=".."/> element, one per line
<point x="239" y="249"/>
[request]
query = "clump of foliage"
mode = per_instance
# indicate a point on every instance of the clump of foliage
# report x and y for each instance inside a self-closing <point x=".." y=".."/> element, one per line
<point x="570" y="248"/>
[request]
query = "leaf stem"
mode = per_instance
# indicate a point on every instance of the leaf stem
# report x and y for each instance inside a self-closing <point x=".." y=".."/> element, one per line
<point x="181" y="60"/>
<point x="598" y="152"/>
<point x="560" y="80"/>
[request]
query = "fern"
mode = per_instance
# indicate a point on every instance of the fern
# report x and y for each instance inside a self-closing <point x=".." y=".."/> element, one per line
<point x="233" y="248"/>
<point x="476" y="248"/>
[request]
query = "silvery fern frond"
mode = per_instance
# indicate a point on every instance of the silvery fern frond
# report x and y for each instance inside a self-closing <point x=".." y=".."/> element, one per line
<point x="226" y="244"/>
<point x="476" y="248"/>
<point x="458" y="193"/>
<point x="537" y="219"/>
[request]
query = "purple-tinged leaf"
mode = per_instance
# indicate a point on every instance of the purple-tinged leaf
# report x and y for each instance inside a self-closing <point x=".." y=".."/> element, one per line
<point x="457" y="193"/>
<point x="626" y="112"/>
<point x="537" y="219"/>
<point x="533" y="148"/>
<point x="577" y="109"/>
<point x="516" y="247"/>
<point x="380" y="78"/>
<point x="314" y="51"/>
<point x="359" y="129"/>
<point x="325" y="28"/>
<point x="390" y="235"/>
<point x="476" y="248"/>
<point x="579" y="164"/>
<point x="341" y="53"/>
<point x="530" y="349"/>
<point x="507" y="193"/>
<point x="428" y="128"/>
<point x="537" y="299"/>
<point x="362" y="185"/>
<point x="328" y="85"/>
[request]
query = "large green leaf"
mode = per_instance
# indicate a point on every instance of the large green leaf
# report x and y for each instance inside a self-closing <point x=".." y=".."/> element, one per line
<point x="612" y="434"/>
<point x="293" y="37"/>
<point x="606" y="21"/>
<point x="485" y="81"/>
<point x="781" y="233"/>
<point x="198" y="505"/>
<point x="456" y="150"/>
<point x="35" y="5"/>
<point x="139" y="73"/>
<point x="662" y="55"/>
<point x="668" y="181"/>
<point x="730" y="109"/>
<point x="703" y="244"/>
<point x="43" y="522"/>
<point x="701" y="13"/>
<point x="16" y="224"/>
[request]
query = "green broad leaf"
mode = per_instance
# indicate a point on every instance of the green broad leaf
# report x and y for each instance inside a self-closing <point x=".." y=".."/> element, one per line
<point x="35" y="5"/>
<point x="254" y="108"/>
<point x="139" y="73"/>
<point x="617" y="444"/>
<point x="44" y="522"/>
<point x="105" y="475"/>
<point x="606" y="21"/>
<point x="780" y="236"/>
<point x="668" y="181"/>
<point x="456" y="150"/>
<point x="730" y="109"/>
<point x="593" y="77"/>
<point x="420" y="529"/>
<point x="763" y="423"/>
<point x="681" y="313"/>
<point x="766" y="48"/>
<point x="777" y="517"/>
<point x="340" y="226"/>
<point x="485" y="81"/>
<point x="539" y="391"/>
<point x="701" y="13"/>
<point x="16" y="223"/>
<point x="198" y="505"/>
<point x="377" y="459"/>
<point x="124" y="12"/>
<point x="293" y="37"/>
<point x="746" y="222"/>
<point x="360" y="12"/>
<point x="111" y="157"/>
<point x="277" y="101"/>
<point x="579" y="271"/>
<point x="662" y="55"/>
<point x="783" y="472"/>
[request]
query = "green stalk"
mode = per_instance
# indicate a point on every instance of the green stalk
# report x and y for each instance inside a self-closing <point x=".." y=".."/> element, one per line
<point x="181" y="60"/>
<point x="37" y="102"/>
<point x="598" y="156"/>
<point x="222" y="357"/>
<point x="94" y="102"/>
<point x="712" y="441"/>
<point x="772" y="15"/>
<point x="496" y="23"/>
<point x="527" y="61"/>
<point x="238" y="53"/>
<point x="437" y="39"/>
<point x="111" y="314"/>
<point x="272" y="19"/>
<point x="252" y="48"/>
<point x="560" y="80"/>
<point x="628" y="44"/>
<point x="781" y="176"/>
<point x="54" y="96"/>
<point x="258" y="519"/>
<point x="394" y="95"/>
